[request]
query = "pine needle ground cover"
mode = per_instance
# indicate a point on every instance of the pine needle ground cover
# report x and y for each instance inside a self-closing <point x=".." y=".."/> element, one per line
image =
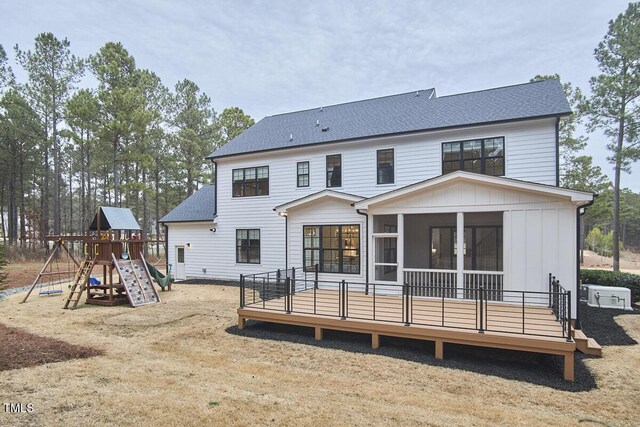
<point x="183" y="361"/>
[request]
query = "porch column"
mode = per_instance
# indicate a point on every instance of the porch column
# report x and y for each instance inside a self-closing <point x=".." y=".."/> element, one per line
<point x="400" y="250"/>
<point x="460" y="253"/>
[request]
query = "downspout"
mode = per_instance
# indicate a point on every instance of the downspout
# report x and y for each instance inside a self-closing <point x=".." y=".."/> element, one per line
<point x="366" y="244"/>
<point x="558" y="151"/>
<point x="166" y="246"/>
<point x="578" y="219"/>
<point x="215" y="188"/>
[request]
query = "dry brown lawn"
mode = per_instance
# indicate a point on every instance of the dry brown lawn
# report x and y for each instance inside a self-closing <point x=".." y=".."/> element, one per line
<point x="175" y="363"/>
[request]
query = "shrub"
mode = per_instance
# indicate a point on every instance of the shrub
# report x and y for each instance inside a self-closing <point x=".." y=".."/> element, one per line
<point x="612" y="278"/>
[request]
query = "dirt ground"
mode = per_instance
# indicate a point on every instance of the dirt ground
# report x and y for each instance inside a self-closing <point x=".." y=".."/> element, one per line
<point x="629" y="262"/>
<point x="21" y="274"/>
<point x="179" y="363"/>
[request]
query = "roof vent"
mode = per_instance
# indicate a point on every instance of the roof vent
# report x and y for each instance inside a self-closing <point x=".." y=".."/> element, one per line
<point x="290" y="137"/>
<point x="326" y="128"/>
<point x="317" y="122"/>
<point x="321" y="109"/>
<point x="417" y="93"/>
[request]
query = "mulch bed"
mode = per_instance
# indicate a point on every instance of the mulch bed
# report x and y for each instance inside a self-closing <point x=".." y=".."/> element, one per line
<point x="20" y="349"/>
<point x="599" y="324"/>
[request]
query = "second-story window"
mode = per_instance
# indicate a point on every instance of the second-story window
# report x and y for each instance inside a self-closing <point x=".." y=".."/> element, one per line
<point x="484" y="156"/>
<point x="251" y="182"/>
<point x="334" y="170"/>
<point x="385" y="166"/>
<point x="303" y="174"/>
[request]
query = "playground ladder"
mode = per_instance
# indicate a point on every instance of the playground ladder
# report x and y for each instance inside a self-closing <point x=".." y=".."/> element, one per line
<point x="81" y="280"/>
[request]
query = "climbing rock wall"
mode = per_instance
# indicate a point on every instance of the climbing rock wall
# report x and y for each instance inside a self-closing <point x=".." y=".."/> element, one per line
<point x="137" y="282"/>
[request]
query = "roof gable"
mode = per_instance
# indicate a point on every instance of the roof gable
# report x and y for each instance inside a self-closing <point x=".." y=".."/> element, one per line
<point x="399" y="114"/>
<point x="200" y="206"/>
<point x="466" y="188"/>
<point x="320" y="195"/>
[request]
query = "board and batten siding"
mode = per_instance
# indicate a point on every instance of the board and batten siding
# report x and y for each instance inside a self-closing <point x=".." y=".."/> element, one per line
<point x="539" y="231"/>
<point x="417" y="157"/>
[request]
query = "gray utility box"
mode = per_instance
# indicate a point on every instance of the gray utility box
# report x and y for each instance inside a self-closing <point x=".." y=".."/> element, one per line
<point x="606" y="296"/>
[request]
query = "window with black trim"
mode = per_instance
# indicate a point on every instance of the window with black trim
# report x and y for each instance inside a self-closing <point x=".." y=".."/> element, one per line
<point x="334" y="248"/>
<point x="248" y="246"/>
<point x="249" y="182"/>
<point x="384" y="160"/>
<point x="485" y="156"/>
<point x="303" y="174"/>
<point x="334" y="170"/>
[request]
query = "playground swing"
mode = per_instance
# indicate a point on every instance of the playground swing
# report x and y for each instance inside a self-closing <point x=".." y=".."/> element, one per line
<point x="54" y="273"/>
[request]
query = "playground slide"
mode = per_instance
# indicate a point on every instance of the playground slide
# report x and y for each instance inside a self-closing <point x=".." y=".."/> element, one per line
<point x="137" y="282"/>
<point x="162" y="280"/>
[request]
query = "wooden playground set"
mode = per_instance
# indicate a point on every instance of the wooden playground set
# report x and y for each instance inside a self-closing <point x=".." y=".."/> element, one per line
<point x="114" y="241"/>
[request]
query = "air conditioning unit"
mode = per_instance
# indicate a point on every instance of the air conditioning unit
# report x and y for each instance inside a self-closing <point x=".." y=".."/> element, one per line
<point x="607" y="296"/>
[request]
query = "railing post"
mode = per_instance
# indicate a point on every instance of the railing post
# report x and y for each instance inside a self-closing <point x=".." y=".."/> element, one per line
<point x="523" y="311"/>
<point x="287" y="293"/>
<point x="315" y="282"/>
<point x="482" y="313"/>
<point x="342" y="300"/>
<point x="549" y="290"/>
<point x="277" y="282"/>
<point x="241" y="291"/>
<point x="569" y="338"/>
<point x="293" y="280"/>
<point x="405" y="303"/>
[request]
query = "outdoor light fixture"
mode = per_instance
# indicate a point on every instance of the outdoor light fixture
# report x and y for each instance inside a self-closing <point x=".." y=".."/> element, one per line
<point x="188" y="245"/>
<point x="213" y="230"/>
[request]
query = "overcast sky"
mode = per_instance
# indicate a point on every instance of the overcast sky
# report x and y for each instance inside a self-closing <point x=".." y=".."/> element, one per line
<point x="271" y="57"/>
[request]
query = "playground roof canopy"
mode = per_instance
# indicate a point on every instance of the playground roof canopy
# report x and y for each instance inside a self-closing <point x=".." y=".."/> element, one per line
<point x="114" y="219"/>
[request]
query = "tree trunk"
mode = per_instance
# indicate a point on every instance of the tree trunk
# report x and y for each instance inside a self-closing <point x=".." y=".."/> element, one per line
<point x="616" y="189"/>
<point x="157" y="207"/>
<point x="115" y="172"/>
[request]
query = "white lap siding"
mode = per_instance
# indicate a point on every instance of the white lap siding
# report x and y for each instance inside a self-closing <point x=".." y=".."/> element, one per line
<point x="325" y="212"/>
<point x="202" y="242"/>
<point x="417" y="157"/>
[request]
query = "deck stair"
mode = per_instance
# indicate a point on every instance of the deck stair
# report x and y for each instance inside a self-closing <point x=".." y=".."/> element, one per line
<point x="79" y="283"/>
<point x="585" y="344"/>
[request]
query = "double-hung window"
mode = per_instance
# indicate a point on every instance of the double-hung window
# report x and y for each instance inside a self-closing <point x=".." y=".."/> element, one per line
<point x="334" y="248"/>
<point x="384" y="160"/>
<point x="302" y="174"/>
<point x="484" y="156"/>
<point x="334" y="170"/>
<point x="251" y="182"/>
<point x="248" y="246"/>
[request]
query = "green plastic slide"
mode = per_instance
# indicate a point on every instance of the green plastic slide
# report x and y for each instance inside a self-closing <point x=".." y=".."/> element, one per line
<point x="160" y="278"/>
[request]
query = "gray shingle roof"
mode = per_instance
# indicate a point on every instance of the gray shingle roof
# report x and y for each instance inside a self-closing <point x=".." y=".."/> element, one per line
<point x="200" y="206"/>
<point x="401" y="113"/>
<point x="115" y="219"/>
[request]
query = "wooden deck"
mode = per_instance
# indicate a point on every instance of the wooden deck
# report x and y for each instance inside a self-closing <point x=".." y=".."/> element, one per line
<point x="431" y="319"/>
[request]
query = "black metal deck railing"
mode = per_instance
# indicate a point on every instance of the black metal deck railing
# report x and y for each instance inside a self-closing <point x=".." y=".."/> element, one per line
<point x="294" y="290"/>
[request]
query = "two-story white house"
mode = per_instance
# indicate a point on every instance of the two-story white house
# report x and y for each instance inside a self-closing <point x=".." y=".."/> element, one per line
<point x="374" y="189"/>
<point x="456" y="192"/>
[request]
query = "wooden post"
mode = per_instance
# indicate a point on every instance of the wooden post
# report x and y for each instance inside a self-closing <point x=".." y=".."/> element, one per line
<point x="439" y="349"/>
<point x="242" y="322"/>
<point x="319" y="333"/>
<point x="46" y="264"/>
<point x="569" y="367"/>
<point x="375" y="340"/>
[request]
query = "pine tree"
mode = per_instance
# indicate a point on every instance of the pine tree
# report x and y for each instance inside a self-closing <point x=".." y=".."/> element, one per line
<point x="614" y="106"/>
